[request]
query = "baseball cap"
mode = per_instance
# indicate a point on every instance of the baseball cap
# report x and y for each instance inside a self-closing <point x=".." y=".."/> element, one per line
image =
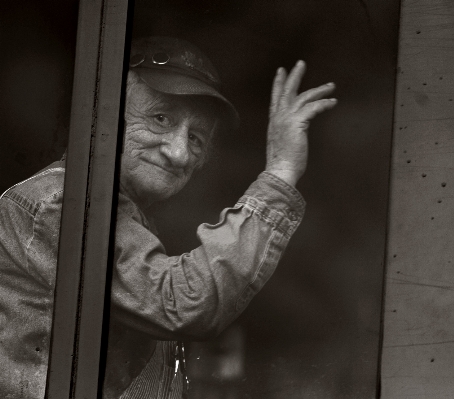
<point x="175" y="66"/>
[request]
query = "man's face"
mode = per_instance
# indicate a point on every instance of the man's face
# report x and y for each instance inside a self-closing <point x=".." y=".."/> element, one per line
<point x="167" y="138"/>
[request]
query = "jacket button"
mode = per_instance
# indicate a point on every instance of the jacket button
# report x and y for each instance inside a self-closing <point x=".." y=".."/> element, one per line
<point x="293" y="216"/>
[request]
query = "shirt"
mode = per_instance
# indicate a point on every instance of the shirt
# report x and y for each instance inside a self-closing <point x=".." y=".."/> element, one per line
<point x="155" y="298"/>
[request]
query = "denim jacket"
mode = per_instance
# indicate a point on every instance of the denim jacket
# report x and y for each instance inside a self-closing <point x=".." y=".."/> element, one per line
<point x="155" y="299"/>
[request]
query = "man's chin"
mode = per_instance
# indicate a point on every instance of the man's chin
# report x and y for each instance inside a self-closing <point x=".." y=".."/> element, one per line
<point x="161" y="192"/>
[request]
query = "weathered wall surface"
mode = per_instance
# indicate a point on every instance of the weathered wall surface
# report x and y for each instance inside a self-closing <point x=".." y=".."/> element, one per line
<point x="418" y="352"/>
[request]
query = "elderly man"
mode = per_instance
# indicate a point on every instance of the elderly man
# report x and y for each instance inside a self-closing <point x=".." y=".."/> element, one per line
<point x="173" y="109"/>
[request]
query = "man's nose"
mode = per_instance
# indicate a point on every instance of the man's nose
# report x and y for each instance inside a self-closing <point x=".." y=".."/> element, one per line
<point x="176" y="147"/>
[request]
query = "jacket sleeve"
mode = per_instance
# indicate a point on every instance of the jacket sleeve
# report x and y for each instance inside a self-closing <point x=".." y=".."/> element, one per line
<point x="196" y="295"/>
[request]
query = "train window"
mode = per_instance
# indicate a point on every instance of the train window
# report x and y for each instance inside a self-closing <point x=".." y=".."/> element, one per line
<point x="173" y="215"/>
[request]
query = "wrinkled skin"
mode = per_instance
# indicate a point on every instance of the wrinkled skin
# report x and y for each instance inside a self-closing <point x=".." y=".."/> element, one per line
<point x="166" y="138"/>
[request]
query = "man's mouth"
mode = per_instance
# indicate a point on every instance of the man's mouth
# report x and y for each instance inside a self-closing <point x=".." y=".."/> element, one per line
<point x="172" y="171"/>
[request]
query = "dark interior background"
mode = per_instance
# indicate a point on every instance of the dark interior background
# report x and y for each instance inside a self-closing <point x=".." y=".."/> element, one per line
<point x="313" y="331"/>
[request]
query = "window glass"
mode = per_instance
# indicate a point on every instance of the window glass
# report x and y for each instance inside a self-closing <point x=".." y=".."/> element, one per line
<point x="314" y="328"/>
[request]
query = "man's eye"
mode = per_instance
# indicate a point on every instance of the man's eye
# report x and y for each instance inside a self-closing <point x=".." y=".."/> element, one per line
<point x="195" y="140"/>
<point x="162" y="119"/>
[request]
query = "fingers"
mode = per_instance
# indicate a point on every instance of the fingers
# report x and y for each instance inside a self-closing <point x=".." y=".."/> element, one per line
<point x="278" y="86"/>
<point x="316" y="107"/>
<point x="313" y="94"/>
<point x="285" y="89"/>
<point x="293" y="81"/>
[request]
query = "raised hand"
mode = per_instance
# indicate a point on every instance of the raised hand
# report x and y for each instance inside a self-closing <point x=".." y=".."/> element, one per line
<point x="290" y="113"/>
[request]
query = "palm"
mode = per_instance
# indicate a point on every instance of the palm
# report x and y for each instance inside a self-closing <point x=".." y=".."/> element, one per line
<point x="290" y="114"/>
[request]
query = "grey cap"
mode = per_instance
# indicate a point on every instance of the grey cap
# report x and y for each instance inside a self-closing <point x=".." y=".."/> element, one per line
<point x="175" y="66"/>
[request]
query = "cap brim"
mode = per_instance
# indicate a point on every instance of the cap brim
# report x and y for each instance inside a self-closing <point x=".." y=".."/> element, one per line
<point x="174" y="83"/>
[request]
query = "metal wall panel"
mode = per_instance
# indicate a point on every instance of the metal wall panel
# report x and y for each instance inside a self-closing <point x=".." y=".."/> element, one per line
<point x="418" y="347"/>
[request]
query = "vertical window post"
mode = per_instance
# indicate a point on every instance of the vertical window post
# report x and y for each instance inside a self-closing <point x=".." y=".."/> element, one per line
<point x="87" y="205"/>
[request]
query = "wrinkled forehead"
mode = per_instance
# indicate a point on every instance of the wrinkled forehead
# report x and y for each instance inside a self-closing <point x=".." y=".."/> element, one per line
<point x="198" y="106"/>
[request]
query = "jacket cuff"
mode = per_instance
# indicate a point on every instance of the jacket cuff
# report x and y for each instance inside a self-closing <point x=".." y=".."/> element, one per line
<point x="276" y="202"/>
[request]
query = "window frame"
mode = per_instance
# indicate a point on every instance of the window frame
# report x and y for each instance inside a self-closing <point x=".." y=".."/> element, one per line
<point x="75" y="360"/>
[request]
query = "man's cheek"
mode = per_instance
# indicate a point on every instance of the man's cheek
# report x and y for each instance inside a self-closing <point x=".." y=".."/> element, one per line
<point x="200" y="161"/>
<point x="138" y="132"/>
<point x="135" y="143"/>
